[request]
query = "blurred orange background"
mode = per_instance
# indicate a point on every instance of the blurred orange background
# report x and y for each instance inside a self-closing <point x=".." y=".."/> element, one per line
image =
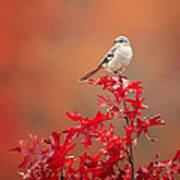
<point x="45" y="46"/>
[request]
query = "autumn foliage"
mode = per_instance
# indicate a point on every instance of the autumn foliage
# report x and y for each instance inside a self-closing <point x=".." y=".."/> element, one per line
<point x="53" y="158"/>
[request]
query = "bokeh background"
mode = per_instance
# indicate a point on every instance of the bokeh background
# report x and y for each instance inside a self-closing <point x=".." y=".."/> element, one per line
<point x="45" y="46"/>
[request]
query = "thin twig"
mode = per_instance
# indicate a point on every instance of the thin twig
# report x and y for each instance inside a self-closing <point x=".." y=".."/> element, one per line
<point x="62" y="170"/>
<point x="130" y="158"/>
<point x="62" y="175"/>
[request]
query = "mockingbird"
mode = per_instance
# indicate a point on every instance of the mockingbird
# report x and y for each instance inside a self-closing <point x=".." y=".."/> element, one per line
<point x="116" y="60"/>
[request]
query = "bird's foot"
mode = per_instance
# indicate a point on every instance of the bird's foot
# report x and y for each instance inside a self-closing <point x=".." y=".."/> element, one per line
<point x="118" y="73"/>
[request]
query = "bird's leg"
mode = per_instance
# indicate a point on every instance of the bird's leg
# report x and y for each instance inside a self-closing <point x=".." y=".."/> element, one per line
<point x="107" y="74"/>
<point x="120" y="74"/>
<point x="115" y="72"/>
<point x="111" y="71"/>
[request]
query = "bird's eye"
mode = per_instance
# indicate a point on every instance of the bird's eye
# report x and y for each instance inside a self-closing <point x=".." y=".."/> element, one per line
<point x="121" y="41"/>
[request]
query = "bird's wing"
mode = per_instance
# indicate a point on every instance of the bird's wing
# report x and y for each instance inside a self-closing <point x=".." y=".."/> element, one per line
<point x="106" y="59"/>
<point x="108" y="56"/>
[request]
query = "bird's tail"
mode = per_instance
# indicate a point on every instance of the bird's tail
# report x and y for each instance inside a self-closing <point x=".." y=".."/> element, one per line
<point x="88" y="75"/>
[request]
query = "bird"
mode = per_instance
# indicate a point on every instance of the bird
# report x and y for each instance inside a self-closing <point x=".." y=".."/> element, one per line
<point x="116" y="60"/>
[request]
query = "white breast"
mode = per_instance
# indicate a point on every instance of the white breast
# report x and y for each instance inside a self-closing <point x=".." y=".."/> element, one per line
<point x="122" y="57"/>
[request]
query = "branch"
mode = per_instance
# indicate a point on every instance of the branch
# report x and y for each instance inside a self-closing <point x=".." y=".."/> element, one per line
<point x="62" y="175"/>
<point x="130" y="158"/>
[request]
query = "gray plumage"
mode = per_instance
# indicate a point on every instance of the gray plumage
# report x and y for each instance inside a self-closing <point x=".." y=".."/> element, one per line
<point x="117" y="58"/>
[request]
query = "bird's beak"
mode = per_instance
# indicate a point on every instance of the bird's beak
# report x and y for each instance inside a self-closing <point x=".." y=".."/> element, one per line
<point x="115" y="41"/>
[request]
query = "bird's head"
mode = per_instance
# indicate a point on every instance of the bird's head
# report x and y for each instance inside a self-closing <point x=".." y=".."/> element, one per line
<point x="122" y="40"/>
